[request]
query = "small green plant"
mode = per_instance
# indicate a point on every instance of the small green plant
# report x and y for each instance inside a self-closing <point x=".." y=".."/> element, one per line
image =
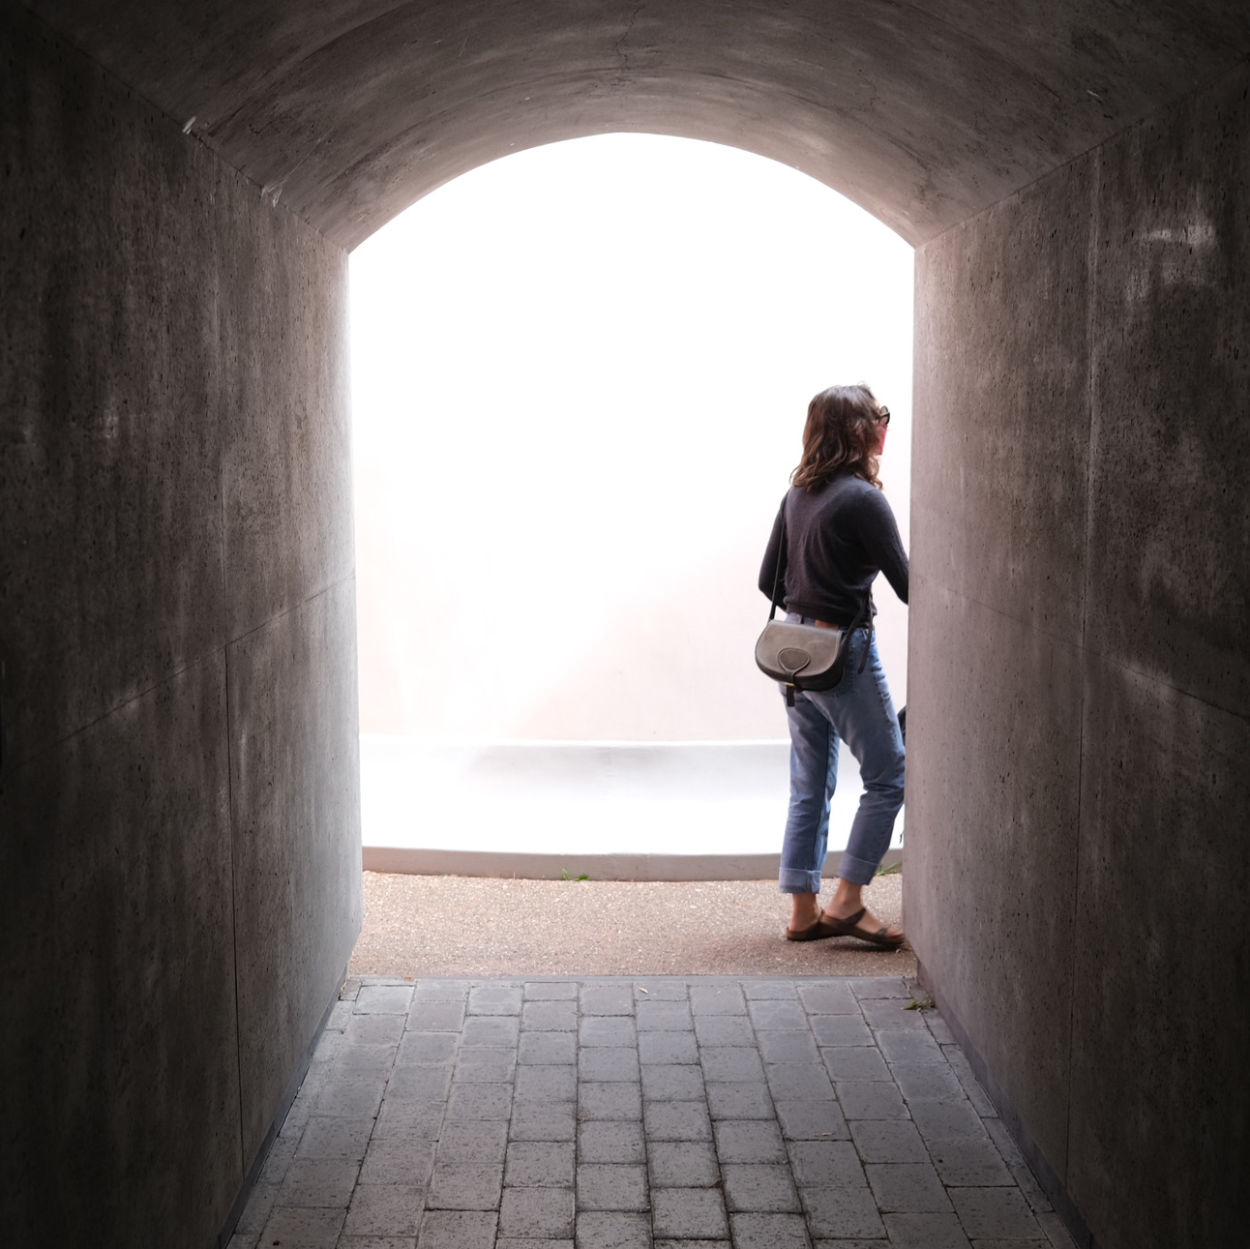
<point x="564" y="875"/>
<point x="891" y="869"/>
<point x="919" y="1002"/>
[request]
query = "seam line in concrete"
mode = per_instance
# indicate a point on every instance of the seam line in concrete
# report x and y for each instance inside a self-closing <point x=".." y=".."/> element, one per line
<point x="234" y="910"/>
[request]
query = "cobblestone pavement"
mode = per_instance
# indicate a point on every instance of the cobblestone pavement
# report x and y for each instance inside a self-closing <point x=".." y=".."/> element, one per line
<point x="665" y="1113"/>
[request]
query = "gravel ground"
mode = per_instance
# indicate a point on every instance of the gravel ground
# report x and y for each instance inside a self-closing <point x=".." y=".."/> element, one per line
<point x="479" y="926"/>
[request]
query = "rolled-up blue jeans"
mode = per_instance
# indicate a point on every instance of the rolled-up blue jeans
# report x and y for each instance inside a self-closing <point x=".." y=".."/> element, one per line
<point x="860" y="712"/>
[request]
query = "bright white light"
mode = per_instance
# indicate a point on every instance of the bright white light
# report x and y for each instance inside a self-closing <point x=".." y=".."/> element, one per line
<point x="580" y="376"/>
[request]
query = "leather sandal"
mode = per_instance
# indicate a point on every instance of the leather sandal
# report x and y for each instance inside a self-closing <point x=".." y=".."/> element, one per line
<point x="849" y="927"/>
<point x="813" y="932"/>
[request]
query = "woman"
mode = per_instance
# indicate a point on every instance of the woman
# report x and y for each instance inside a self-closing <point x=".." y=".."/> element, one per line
<point x="839" y="532"/>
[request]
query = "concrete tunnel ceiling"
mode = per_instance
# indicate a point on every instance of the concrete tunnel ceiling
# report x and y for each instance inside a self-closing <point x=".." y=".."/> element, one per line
<point x="347" y="111"/>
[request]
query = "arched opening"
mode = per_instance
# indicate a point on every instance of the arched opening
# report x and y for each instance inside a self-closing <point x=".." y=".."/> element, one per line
<point x="580" y="375"/>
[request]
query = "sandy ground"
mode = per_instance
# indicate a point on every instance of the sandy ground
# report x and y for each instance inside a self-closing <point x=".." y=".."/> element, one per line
<point x="478" y="926"/>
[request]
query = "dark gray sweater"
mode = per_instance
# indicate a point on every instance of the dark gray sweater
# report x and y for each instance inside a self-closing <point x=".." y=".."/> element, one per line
<point x="838" y="537"/>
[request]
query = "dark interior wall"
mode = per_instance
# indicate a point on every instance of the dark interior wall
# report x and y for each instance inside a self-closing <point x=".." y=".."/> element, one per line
<point x="1080" y="682"/>
<point x="179" y="828"/>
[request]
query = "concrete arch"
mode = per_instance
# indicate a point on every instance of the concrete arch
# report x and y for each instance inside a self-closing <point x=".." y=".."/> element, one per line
<point x="179" y="866"/>
<point x="923" y="113"/>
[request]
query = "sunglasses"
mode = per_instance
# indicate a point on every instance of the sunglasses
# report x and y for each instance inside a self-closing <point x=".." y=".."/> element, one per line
<point x="884" y="416"/>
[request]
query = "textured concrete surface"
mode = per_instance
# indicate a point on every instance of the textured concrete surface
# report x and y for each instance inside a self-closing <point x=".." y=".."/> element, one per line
<point x="1072" y="635"/>
<point x="472" y="926"/>
<point x="924" y="114"/>
<point x="172" y="387"/>
<point x="520" y="1113"/>
<point x="295" y="803"/>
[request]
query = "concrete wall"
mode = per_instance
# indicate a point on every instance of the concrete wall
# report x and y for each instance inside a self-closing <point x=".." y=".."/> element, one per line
<point x="179" y="856"/>
<point x="1080" y="682"/>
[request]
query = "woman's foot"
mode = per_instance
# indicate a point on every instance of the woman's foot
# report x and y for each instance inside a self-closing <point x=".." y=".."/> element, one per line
<point x="848" y="913"/>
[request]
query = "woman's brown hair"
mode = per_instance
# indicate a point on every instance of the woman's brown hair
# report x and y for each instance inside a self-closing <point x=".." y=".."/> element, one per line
<point x="840" y="436"/>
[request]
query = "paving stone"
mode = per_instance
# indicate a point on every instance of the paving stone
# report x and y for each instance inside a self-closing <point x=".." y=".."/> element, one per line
<point x="812" y="1121"/>
<point x="968" y="1081"/>
<point x="604" y="1229"/>
<point x="607" y="999"/>
<point x="689" y="1212"/>
<point x="457" y="1229"/>
<point x="666" y="1047"/>
<point x="352" y="1098"/>
<point x="1003" y="1141"/>
<point x="1055" y="1231"/>
<point x="840" y="1030"/>
<point x="612" y="1186"/>
<point x="436" y="1016"/>
<point x="489" y="1030"/>
<point x="670" y="1081"/>
<point x="608" y="1030"/>
<point x="769" y="1231"/>
<point x="855" y="1062"/>
<point x="281" y="1154"/>
<point x="682" y="1164"/>
<point x="870" y="1099"/>
<point x="750" y="1140"/>
<point x="677" y="1121"/>
<point x="663" y="1017"/>
<point x="546" y="1048"/>
<point x="546" y="1084"/>
<point x="319" y="1182"/>
<point x="606" y="1140"/>
<point x="726" y="1063"/>
<point x="738" y="1101"/>
<point x="971" y="1164"/>
<point x="549" y="1017"/>
<point x="719" y="999"/>
<point x="464" y="1186"/>
<point x="483" y="1144"/>
<point x="851" y="1244"/>
<point x="495" y="999"/>
<point x="948" y="1121"/>
<point x="409" y="1121"/>
<point x="910" y="1047"/>
<point x="868" y="988"/>
<point x="484" y="1065"/>
<point x="841" y="1212"/>
<point x="937" y="1027"/>
<point x="303" y="1228"/>
<point x="426" y="1047"/>
<point x="1025" y="1181"/>
<point x="925" y="1231"/>
<point x="398" y="1162"/>
<point x="889" y="1014"/>
<point x="878" y="1140"/>
<point x="550" y="990"/>
<point x="527" y="1242"/>
<point x="537" y="1212"/>
<point x="540" y="1164"/>
<point x="383" y="999"/>
<point x="799" y="1081"/>
<point x="599" y="1099"/>
<point x="660" y="990"/>
<point x="822" y="1164"/>
<point x="774" y="1016"/>
<point x="667" y="1243"/>
<point x="927" y="1082"/>
<point x="479" y="1101"/>
<point x="374" y="1030"/>
<point x="384" y="1210"/>
<point x="770" y="990"/>
<point x="260" y="1204"/>
<point x="1011" y="1244"/>
<point x="797" y="1046"/>
<point x="907" y="1186"/>
<point x="759" y="1188"/>
<point x="828" y="999"/>
<point x="335" y="1138"/>
<point x="609" y="1062"/>
<point x="543" y="1121"/>
<point x="723" y="1030"/>
<point x="426" y="1083"/>
<point x="440" y="991"/>
<point x="1001" y="1213"/>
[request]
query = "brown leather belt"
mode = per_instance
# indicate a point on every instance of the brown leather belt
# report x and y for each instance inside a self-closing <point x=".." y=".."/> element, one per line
<point x="825" y="624"/>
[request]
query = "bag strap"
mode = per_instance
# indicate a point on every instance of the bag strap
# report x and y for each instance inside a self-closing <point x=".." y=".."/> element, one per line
<point x="781" y="559"/>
